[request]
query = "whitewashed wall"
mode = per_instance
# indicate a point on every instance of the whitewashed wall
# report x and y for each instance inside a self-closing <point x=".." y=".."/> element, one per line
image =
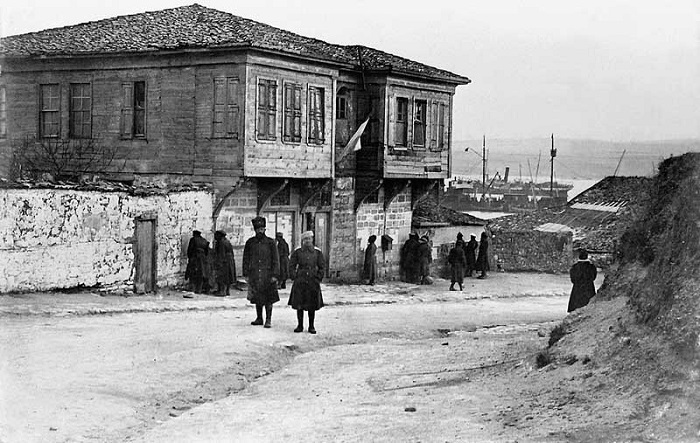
<point x="53" y="238"/>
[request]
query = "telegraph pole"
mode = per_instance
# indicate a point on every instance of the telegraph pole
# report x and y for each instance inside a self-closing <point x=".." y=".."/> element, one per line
<point x="483" y="169"/>
<point x="552" y="153"/>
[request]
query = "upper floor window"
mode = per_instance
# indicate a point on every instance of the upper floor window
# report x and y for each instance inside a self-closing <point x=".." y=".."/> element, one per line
<point x="341" y="106"/>
<point x="316" y="115"/>
<point x="49" y="118"/>
<point x="292" y="112"/>
<point x="401" y="125"/>
<point x="441" y="127"/>
<point x="80" y="112"/>
<point x="225" y="121"/>
<point x="267" y="109"/>
<point x="419" y="120"/>
<point x="133" y="114"/>
<point x="3" y="112"/>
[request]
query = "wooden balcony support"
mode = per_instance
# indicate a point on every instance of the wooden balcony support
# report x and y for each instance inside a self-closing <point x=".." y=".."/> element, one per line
<point x="310" y="190"/>
<point x="392" y="188"/>
<point x="420" y="189"/>
<point x="364" y="187"/>
<point x="267" y="189"/>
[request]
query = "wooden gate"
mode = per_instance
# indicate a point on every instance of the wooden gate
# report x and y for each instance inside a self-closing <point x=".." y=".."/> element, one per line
<point x="145" y="275"/>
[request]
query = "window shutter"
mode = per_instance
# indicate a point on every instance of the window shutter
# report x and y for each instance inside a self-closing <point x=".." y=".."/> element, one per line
<point x="232" y="108"/>
<point x="288" y="112"/>
<point x="218" y="122"/>
<point x="392" y="121"/>
<point x="271" y="110"/>
<point x="127" y="114"/>
<point x="433" y="125"/>
<point x="262" y="109"/>
<point x="296" y="126"/>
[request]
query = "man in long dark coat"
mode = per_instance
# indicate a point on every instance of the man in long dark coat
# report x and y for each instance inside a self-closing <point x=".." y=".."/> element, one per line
<point x="582" y="275"/>
<point x="307" y="268"/>
<point x="197" y="271"/>
<point x="458" y="263"/>
<point x="283" y="252"/>
<point x="409" y="258"/>
<point x="224" y="263"/>
<point x="470" y="254"/>
<point x="482" y="260"/>
<point x="261" y="265"/>
<point x="370" y="265"/>
<point x="425" y="257"/>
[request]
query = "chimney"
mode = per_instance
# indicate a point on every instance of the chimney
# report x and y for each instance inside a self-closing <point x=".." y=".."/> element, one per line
<point x="505" y="178"/>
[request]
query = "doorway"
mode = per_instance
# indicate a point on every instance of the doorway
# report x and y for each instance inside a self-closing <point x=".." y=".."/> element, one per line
<point x="145" y="275"/>
<point x="319" y="223"/>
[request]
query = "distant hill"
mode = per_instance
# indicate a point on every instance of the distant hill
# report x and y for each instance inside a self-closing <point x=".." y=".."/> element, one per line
<point x="576" y="159"/>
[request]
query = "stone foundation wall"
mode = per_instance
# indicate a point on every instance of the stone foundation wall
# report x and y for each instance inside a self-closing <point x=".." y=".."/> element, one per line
<point x="343" y="265"/>
<point x="54" y="238"/>
<point x="531" y="251"/>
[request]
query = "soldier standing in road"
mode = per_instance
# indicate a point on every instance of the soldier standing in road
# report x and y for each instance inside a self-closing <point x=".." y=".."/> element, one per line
<point x="307" y="267"/>
<point x="370" y="265"/>
<point x="409" y="258"/>
<point x="197" y="271"/>
<point x="223" y="263"/>
<point x="425" y="257"/>
<point x="283" y="252"/>
<point x="582" y="275"/>
<point x="457" y="263"/>
<point x="261" y="265"/>
<point x="470" y="253"/>
<point x="482" y="261"/>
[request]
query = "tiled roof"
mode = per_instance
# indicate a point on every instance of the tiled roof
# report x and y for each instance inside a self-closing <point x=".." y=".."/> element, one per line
<point x="612" y="191"/>
<point x="198" y="27"/>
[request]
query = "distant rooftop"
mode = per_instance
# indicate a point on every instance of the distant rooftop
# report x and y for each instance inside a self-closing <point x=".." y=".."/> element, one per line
<point x="196" y="27"/>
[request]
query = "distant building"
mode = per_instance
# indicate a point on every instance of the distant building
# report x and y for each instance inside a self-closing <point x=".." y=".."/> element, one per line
<point x="263" y="115"/>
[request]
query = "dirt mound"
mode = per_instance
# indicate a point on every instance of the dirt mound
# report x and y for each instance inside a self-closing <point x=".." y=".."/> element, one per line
<point x="635" y="350"/>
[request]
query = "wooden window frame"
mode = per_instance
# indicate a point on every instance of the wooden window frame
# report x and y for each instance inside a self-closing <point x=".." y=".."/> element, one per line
<point x="83" y="129"/>
<point x="401" y="120"/>
<point x="419" y="118"/>
<point x="50" y="110"/>
<point x="129" y="116"/>
<point x="265" y="110"/>
<point x="442" y="114"/>
<point x="3" y="111"/>
<point x="292" y="112"/>
<point x="225" y="109"/>
<point x="341" y="107"/>
<point x="316" y="135"/>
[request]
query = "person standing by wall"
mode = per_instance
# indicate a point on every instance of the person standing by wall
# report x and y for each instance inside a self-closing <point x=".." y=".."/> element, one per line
<point x="261" y="265"/>
<point x="470" y="254"/>
<point x="283" y="252"/>
<point x="197" y="271"/>
<point x="425" y="257"/>
<point x="223" y="263"/>
<point x="582" y="275"/>
<point x="307" y="267"/>
<point x="458" y="264"/>
<point x="409" y="258"/>
<point x="482" y="260"/>
<point x="370" y="265"/>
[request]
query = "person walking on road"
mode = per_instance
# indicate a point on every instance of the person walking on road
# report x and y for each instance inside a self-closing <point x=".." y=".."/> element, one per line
<point x="582" y="275"/>
<point x="470" y="254"/>
<point x="283" y="252"/>
<point x="482" y="260"/>
<point x="370" y="265"/>
<point x="197" y="271"/>
<point x="307" y="267"/>
<point x="261" y="265"/>
<point x="224" y="263"/>
<point x="457" y="263"/>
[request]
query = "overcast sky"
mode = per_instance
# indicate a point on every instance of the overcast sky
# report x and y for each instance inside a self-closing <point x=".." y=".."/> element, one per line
<point x="605" y="69"/>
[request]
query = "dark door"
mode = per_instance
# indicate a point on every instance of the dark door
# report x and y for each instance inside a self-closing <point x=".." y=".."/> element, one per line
<point x="319" y="223"/>
<point x="145" y="255"/>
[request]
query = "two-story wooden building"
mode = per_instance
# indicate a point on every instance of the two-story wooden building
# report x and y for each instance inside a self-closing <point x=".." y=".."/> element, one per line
<point x="261" y="114"/>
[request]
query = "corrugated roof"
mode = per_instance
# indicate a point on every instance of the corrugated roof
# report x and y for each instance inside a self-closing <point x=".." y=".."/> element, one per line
<point x="198" y="27"/>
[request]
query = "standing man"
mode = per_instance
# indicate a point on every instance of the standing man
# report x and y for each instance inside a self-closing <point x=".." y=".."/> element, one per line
<point x="425" y="257"/>
<point x="482" y="260"/>
<point x="197" y="271"/>
<point x="457" y="263"/>
<point x="470" y="253"/>
<point x="370" y="268"/>
<point x="409" y="258"/>
<point x="261" y="265"/>
<point x="283" y="252"/>
<point x="307" y="267"/>
<point x="223" y="263"/>
<point x="582" y="275"/>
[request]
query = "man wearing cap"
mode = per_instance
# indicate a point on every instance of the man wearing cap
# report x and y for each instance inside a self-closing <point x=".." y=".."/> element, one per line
<point x="224" y="263"/>
<point x="370" y="265"/>
<point x="197" y="271"/>
<point x="261" y="266"/>
<point x="307" y="267"/>
<point x="582" y="275"/>
<point x="470" y="254"/>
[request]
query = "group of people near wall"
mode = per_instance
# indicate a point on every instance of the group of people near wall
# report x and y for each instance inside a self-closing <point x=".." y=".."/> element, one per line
<point x="266" y="267"/>
<point x="465" y="258"/>
<point x="416" y="256"/>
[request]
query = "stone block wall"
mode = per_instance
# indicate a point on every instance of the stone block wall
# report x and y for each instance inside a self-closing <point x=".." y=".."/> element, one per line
<point x="531" y="250"/>
<point x="55" y="238"/>
<point x="234" y="218"/>
<point x="343" y="259"/>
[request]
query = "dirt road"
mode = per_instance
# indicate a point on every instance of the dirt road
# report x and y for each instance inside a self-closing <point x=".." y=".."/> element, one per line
<point x="170" y="376"/>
